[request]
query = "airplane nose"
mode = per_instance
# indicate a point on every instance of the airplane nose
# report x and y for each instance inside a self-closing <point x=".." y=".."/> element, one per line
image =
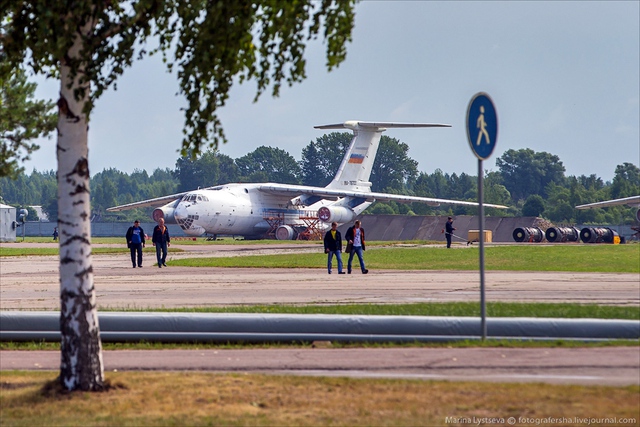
<point x="180" y="212"/>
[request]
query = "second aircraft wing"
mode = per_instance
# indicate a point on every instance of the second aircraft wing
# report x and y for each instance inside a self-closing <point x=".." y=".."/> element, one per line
<point x="158" y="201"/>
<point x="295" y="190"/>
<point x="633" y="201"/>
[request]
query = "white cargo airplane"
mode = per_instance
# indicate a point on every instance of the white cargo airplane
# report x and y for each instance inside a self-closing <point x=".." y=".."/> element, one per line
<point x="283" y="210"/>
<point x="633" y="201"/>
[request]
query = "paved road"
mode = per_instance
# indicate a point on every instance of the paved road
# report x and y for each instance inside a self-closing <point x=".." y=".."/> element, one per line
<point x="32" y="283"/>
<point x="616" y="366"/>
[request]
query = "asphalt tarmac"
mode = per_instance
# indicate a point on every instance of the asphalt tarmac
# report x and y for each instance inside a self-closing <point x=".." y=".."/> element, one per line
<point x="32" y="283"/>
<point x="613" y="366"/>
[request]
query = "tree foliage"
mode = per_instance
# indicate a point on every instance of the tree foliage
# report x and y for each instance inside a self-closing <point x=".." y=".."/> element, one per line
<point x="210" y="43"/>
<point x="495" y="193"/>
<point x="626" y="182"/>
<point x="206" y="170"/>
<point x="22" y="119"/>
<point x="533" y="206"/>
<point x="268" y="164"/>
<point x="321" y="158"/>
<point x="39" y="188"/>
<point x="526" y="172"/>
<point x="393" y="169"/>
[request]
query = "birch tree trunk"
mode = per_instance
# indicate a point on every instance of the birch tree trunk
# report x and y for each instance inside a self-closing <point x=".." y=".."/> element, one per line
<point x="81" y="366"/>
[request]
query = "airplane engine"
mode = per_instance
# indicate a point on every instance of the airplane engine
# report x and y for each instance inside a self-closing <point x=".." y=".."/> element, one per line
<point x="336" y="213"/>
<point x="599" y="235"/>
<point x="286" y="232"/>
<point x="167" y="212"/>
<point x="562" y="234"/>
<point x="528" y="234"/>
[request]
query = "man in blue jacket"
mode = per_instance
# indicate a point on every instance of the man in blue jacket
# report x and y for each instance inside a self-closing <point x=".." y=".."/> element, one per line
<point x="135" y="242"/>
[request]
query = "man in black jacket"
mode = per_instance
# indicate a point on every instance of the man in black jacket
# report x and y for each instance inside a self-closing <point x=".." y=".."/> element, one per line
<point x="448" y="230"/>
<point x="135" y="242"/>
<point x="333" y="245"/>
<point x="161" y="240"/>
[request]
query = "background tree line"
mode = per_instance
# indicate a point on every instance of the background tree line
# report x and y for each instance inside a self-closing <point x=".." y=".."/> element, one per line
<point x="532" y="183"/>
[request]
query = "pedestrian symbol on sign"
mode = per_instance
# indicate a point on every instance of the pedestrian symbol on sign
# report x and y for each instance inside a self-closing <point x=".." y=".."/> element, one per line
<point x="482" y="125"/>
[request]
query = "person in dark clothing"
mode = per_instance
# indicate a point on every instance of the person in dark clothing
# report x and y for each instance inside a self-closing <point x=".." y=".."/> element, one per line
<point x="333" y="246"/>
<point x="448" y="230"/>
<point x="355" y="238"/>
<point x="161" y="240"/>
<point x="135" y="242"/>
<point x="55" y="234"/>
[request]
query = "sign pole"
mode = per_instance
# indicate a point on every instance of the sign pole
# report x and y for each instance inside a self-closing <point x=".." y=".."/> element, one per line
<point x="482" y="133"/>
<point x="483" y="305"/>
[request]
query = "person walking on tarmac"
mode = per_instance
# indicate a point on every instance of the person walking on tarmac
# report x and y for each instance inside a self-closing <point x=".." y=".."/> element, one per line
<point x="161" y="240"/>
<point x="333" y="245"/>
<point x="448" y="230"/>
<point x="135" y="242"/>
<point x="355" y="239"/>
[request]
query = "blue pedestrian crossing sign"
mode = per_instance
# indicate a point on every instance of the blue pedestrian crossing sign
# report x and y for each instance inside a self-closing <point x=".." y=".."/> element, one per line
<point x="482" y="125"/>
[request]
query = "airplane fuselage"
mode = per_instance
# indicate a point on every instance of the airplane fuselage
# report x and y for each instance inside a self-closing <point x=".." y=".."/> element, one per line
<point x="234" y="209"/>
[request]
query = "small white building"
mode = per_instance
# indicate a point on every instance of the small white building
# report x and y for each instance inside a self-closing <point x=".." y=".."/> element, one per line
<point x="7" y="223"/>
<point x="42" y="217"/>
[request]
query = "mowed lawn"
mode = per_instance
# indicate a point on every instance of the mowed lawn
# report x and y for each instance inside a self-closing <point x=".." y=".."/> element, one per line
<point x="577" y="257"/>
<point x="570" y="257"/>
<point x="210" y="399"/>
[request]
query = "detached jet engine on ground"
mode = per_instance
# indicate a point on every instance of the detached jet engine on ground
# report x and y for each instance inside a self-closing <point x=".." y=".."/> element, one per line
<point x="281" y="210"/>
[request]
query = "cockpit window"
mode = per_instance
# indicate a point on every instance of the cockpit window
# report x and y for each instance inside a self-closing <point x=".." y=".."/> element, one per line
<point x="195" y="198"/>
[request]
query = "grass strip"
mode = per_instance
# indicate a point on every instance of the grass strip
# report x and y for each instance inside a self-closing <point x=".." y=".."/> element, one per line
<point x="577" y="258"/>
<point x="208" y="399"/>
<point x="459" y="309"/>
<point x="488" y="343"/>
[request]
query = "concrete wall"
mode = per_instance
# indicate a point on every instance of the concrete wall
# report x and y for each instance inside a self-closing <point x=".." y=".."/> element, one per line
<point x="99" y="229"/>
<point x="402" y="227"/>
<point x="378" y="227"/>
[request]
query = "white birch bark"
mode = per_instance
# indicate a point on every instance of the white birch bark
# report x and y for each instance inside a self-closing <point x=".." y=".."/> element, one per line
<point x="81" y="366"/>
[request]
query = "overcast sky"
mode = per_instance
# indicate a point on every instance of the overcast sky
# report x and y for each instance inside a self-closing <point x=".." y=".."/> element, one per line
<point x="564" y="77"/>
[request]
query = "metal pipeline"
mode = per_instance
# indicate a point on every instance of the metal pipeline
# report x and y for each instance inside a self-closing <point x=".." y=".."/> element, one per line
<point x="225" y="327"/>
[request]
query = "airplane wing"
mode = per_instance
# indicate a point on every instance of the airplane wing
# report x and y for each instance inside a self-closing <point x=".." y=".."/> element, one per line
<point x="380" y="125"/>
<point x="158" y="201"/>
<point x="633" y="201"/>
<point x="285" y="189"/>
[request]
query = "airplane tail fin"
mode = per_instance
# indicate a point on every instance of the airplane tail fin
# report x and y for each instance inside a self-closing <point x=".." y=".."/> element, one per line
<point x="355" y="169"/>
